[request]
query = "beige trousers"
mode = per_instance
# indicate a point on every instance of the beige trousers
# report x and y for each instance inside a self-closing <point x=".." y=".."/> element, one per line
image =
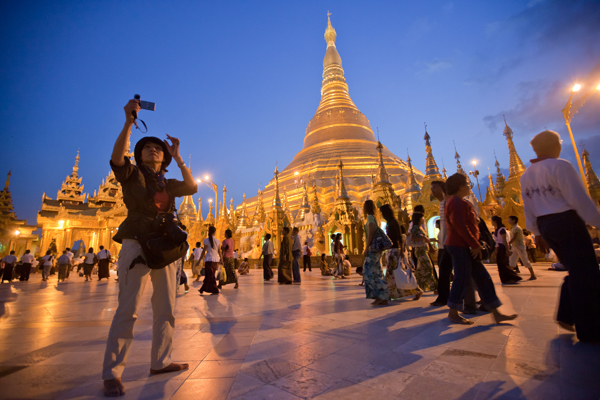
<point x="519" y="252"/>
<point x="131" y="287"/>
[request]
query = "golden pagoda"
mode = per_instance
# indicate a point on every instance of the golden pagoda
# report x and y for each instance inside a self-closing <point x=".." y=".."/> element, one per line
<point x="511" y="193"/>
<point x="432" y="173"/>
<point x="337" y="132"/>
<point x="15" y="234"/>
<point x="592" y="181"/>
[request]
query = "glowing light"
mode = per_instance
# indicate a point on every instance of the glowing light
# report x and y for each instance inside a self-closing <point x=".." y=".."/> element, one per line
<point x="296" y="173"/>
<point x="474" y="162"/>
<point x="576" y="88"/>
<point x="206" y="177"/>
<point x="61" y="223"/>
<point x="199" y="180"/>
<point x="598" y="87"/>
<point x="210" y="200"/>
<point x="17" y="232"/>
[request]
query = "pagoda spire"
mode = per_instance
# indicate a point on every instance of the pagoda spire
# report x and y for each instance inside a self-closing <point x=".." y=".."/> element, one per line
<point x="431" y="169"/>
<point x="71" y="189"/>
<point x="315" y="208"/>
<point x="276" y="198"/>
<point x="593" y="183"/>
<point x="242" y="222"/>
<point x="342" y="193"/>
<point x="382" y="175"/>
<point x="500" y="179"/>
<point x="199" y="218"/>
<point x="412" y="186"/>
<point x="459" y="168"/>
<point x="444" y="171"/>
<point x="223" y="211"/>
<point x="516" y="166"/>
<point x="210" y="219"/>
<point x="7" y="184"/>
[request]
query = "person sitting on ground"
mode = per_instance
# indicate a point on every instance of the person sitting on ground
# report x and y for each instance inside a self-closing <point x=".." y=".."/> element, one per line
<point x="347" y="266"/>
<point x="244" y="267"/>
<point x="325" y="270"/>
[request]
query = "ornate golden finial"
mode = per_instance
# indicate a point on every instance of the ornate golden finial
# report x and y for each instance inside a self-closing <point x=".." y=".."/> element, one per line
<point x="444" y="170"/>
<point x="330" y="34"/>
<point x="276" y="199"/>
<point x="382" y="175"/>
<point x="459" y="167"/>
<point x="516" y="166"/>
<point x="342" y="193"/>
<point x="431" y="169"/>
<point x="7" y="184"/>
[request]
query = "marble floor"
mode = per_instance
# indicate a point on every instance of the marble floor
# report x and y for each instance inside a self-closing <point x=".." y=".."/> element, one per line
<point x="321" y="339"/>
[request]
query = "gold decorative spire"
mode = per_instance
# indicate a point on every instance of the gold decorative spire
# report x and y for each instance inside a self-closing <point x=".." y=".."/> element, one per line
<point x="411" y="183"/>
<point x="431" y="169"/>
<point x="341" y="194"/>
<point x="243" y="219"/>
<point x="276" y="199"/>
<point x="330" y="34"/>
<point x="382" y="175"/>
<point x="187" y="209"/>
<point x="7" y="184"/>
<point x="199" y="218"/>
<point x="500" y="179"/>
<point x="490" y="197"/>
<point x="71" y="189"/>
<point x="590" y="176"/>
<point x="223" y="212"/>
<point x="459" y="168"/>
<point x="444" y="171"/>
<point x="516" y="166"/>
<point x="315" y="207"/>
<point x="210" y="218"/>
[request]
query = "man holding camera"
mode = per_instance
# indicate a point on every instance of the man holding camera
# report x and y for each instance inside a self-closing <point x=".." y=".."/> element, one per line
<point x="147" y="195"/>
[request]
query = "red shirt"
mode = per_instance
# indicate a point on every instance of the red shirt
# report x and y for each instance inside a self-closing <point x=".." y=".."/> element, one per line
<point x="461" y="223"/>
<point x="161" y="200"/>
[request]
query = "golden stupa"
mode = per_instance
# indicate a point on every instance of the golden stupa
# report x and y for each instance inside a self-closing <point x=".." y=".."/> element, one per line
<point x="337" y="132"/>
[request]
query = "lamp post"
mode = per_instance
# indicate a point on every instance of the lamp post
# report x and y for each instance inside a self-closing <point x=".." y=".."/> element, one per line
<point x="568" y="112"/>
<point x="215" y="188"/>
<point x="475" y="173"/>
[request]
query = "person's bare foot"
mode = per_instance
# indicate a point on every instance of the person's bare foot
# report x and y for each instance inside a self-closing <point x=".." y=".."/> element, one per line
<point x="533" y="278"/>
<point x="564" y="325"/>
<point x="114" y="388"/>
<point x="501" y="317"/>
<point x="173" y="367"/>
<point x="236" y="286"/>
<point x="418" y="296"/>
<point x="457" y="319"/>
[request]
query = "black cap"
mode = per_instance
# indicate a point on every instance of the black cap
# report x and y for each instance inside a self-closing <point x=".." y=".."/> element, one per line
<point x="137" y="153"/>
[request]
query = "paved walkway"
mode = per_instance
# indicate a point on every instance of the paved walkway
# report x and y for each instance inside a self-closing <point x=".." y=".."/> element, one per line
<point x="322" y="339"/>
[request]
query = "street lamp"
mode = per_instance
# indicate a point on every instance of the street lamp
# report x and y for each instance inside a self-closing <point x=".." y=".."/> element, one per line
<point x="568" y="112"/>
<point x="475" y="173"/>
<point x="215" y="188"/>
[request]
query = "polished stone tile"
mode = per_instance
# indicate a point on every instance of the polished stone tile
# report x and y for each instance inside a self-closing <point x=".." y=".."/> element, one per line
<point x="527" y="369"/>
<point x="306" y="383"/>
<point x="423" y="387"/>
<point x="452" y="373"/>
<point x="217" y="369"/>
<point x="244" y="383"/>
<point x="270" y="370"/>
<point x="335" y="365"/>
<point x="267" y="392"/>
<point x="352" y="391"/>
<point x="205" y="389"/>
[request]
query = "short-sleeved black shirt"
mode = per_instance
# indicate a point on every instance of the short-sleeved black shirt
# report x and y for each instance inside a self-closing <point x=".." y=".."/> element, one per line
<point x="141" y="209"/>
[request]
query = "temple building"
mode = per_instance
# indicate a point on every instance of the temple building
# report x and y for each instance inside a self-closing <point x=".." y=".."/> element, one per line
<point x="74" y="218"/>
<point x="15" y="234"/>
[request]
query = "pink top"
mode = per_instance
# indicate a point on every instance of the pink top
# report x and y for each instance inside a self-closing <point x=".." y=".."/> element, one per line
<point x="229" y="252"/>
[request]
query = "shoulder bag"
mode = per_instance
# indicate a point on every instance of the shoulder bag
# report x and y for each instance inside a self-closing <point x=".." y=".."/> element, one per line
<point x="380" y="241"/>
<point x="405" y="279"/>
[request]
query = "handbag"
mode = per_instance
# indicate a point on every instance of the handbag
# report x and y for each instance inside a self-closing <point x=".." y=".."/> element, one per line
<point x="380" y="241"/>
<point x="404" y="276"/>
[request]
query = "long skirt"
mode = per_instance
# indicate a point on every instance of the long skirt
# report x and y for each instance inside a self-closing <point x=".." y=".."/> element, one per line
<point x="210" y="283"/>
<point x="62" y="271"/>
<point x="7" y="275"/>
<point x="506" y="273"/>
<point x="393" y="257"/>
<point x="284" y="272"/>
<point x="424" y="272"/>
<point x="87" y="269"/>
<point x="375" y="285"/>
<point x="229" y="264"/>
<point x="103" y="271"/>
<point x="267" y="270"/>
<point x="197" y="268"/>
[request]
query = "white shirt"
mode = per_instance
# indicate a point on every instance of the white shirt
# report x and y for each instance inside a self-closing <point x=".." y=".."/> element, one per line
<point x="235" y="255"/>
<point x="553" y="186"/>
<point x="89" y="258"/>
<point x="212" y="254"/>
<point x="48" y="260"/>
<point x="9" y="259"/>
<point x="442" y="232"/>
<point x="70" y="255"/>
<point x="296" y="244"/>
<point x="27" y="258"/>
<point x="102" y="254"/>
<point x="498" y="236"/>
<point x="268" y="248"/>
<point x="197" y="253"/>
<point x="305" y="250"/>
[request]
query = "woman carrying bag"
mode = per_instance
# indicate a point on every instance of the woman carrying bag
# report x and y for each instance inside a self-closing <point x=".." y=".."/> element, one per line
<point x="397" y="277"/>
<point x="88" y="264"/>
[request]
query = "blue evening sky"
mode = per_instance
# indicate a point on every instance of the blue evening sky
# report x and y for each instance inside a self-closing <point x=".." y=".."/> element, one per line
<point x="238" y="82"/>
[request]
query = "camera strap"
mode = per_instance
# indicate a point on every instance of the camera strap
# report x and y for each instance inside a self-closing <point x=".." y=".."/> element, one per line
<point x="137" y="127"/>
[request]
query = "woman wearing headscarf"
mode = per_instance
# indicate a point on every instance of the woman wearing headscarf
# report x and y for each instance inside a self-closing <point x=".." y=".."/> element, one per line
<point x="284" y="270"/>
<point x="375" y="285"/>
<point x="394" y="255"/>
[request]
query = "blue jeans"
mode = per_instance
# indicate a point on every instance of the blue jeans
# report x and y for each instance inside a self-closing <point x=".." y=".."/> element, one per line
<point x="466" y="266"/>
<point x="296" y="265"/>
